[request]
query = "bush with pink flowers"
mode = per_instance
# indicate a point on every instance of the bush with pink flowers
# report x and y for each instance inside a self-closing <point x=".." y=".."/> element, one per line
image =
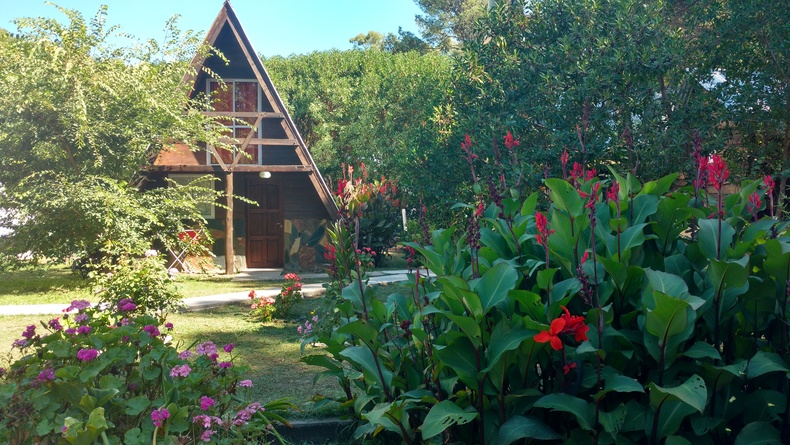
<point x="112" y="374"/>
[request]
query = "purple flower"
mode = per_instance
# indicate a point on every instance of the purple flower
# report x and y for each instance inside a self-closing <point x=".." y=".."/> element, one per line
<point x="87" y="355"/>
<point x="30" y="332"/>
<point x="158" y="415"/>
<point x="206" y="420"/>
<point x="84" y="330"/>
<point x="206" y="436"/>
<point x="206" y="403"/>
<point x="54" y="324"/>
<point x="169" y="326"/>
<point x="207" y="348"/>
<point x="315" y="318"/>
<point x="81" y="317"/>
<point x="152" y="330"/>
<point x="19" y="343"/>
<point x="71" y="331"/>
<point x="185" y="354"/>
<point x="245" y="383"/>
<point x="125" y="339"/>
<point x="225" y="365"/>
<point x="229" y="347"/>
<point x="213" y="357"/>
<point x="47" y="374"/>
<point x="125" y="321"/>
<point x="180" y="371"/>
<point x="126" y="305"/>
<point x="78" y="305"/>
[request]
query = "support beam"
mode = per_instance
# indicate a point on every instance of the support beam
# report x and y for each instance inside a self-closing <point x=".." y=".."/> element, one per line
<point x="229" y="253"/>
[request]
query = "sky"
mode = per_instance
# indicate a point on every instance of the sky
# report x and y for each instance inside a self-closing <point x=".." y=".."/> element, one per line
<point x="275" y="27"/>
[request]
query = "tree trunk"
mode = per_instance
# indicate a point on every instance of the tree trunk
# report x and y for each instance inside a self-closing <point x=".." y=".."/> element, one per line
<point x="229" y="253"/>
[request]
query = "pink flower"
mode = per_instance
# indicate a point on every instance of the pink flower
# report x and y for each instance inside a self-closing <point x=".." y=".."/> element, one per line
<point x="87" y="355"/>
<point x="251" y="294"/>
<point x="718" y="170"/>
<point x="169" y="326"/>
<point x="185" y="354"/>
<point x="152" y="330"/>
<point x="769" y="184"/>
<point x="229" y="347"/>
<point x="299" y="330"/>
<point x="755" y="203"/>
<point x="158" y="415"/>
<point x="207" y="348"/>
<point x="180" y="371"/>
<point x="206" y="436"/>
<point x="206" y="403"/>
<point x="47" y="374"/>
<point x="81" y="318"/>
<point x="204" y="419"/>
<point x="225" y="365"/>
<point x="78" y="305"/>
<point x="315" y="318"/>
<point x="543" y="233"/>
<point x="245" y="383"/>
<point x="510" y="142"/>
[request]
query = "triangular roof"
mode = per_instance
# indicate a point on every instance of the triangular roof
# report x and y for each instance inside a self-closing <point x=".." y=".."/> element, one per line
<point x="227" y="27"/>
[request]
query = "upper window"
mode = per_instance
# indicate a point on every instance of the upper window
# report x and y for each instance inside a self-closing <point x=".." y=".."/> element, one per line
<point x="236" y="97"/>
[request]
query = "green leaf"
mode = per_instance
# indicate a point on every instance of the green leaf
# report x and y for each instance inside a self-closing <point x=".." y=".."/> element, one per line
<point x="444" y="415"/>
<point x="759" y="433"/>
<point x="692" y="392"/>
<point x="659" y="186"/>
<point x="498" y="345"/>
<point x="569" y="404"/>
<point x="763" y="363"/>
<point x="643" y="206"/>
<point x="565" y="197"/>
<point x="469" y="327"/>
<point x="459" y="355"/>
<point x="619" y="383"/>
<point x="676" y="440"/>
<point x="614" y="420"/>
<point x="495" y="284"/>
<point x="524" y="427"/>
<point x="701" y="349"/>
<point x="363" y="357"/>
<point x="136" y="405"/>
<point x="709" y="239"/>
<point x="361" y="328"/>
<point x="530" y="204"/>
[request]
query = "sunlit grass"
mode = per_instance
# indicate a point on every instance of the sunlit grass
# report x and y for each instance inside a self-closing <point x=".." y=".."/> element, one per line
<point x="42" y="285"/>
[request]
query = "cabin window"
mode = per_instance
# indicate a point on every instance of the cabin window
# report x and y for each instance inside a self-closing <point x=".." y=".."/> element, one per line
<point x="238" y="96"/>
<point x="206" y="209"/>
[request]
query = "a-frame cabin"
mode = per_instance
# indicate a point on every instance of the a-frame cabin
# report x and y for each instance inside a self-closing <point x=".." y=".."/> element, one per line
<point x="287" y="227"/>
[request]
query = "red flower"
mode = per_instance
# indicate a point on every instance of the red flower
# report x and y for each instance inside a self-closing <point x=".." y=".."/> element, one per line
<point x="574" y="324"/>
<point x="251" y="294"/>
<point x="591" y="173"/>
<point x="567" y="368"/>
<point x="769" y="184"/>
<point x="717" y="167"/>
<point x="578" y="171"/>
<point x="754" y="204"/>
<point x="585" y="256"/>
<point x="564" y="158"/>
<point x="613" y="194"/>
<point x="479" y="211"/>
<point x="543" y="233"/>
<point x="552" y="335"/>
<point x="510" y="142"/>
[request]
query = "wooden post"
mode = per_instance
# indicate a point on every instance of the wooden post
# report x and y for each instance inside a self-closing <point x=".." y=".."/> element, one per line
<point x="229" y="253"/>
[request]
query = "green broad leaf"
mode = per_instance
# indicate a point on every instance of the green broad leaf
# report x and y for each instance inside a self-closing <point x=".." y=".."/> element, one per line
<point x="459" y="356"/>
<point x="7" y="391"/>
<point x="618" y="224"/>
<point x="759" y="433"/>
<point x="444" y="415"/>
<point x="701" y="349"/>
<point x="709" y="239"/>
<point x="635" y="417"/>
<point x="763" y="363"/>
<point x="495" y="284"/>
<point x="68" y="391"/>
<point x="723" y="375"/>
<point x="564" y="288"/>
<point x="525" y="427"/>
<point x="96" y="420"/>
<point x="530" y="204"/>
<point x="360" y="328"/>
<point x="110" y="381"/>
<point x="703" y="425"/>
<point x="565" y="197"/>
<point x="569" y="404"/>
<point x="643" y="206"/>
<point x="692" y="392"/>
<point x="619" y="383"/>
<point x="102" y="396"/>
<point x="728" y="274"/>
<point x="456" y="288"/>
<point x="776" y="260"/>
<point x="671" y="417"/>
<point x="659" y="186"/>
<point x="668" y="318"/>
<point x="614" y="420"/>
<point x="433" y="260"/>
<point x="355" y="295"/>
<point x="136" y="405"/>
<point x="665" y="283"/>
<point x="363" y="357"/>
<point x="545" y="277"/>
<point x="676" y="440"/>
<point x="322" y="361"/>
<point x="93" y="369"/>
<point x="68" y="372"/>
<point x="135" y="437"/>
<point x="468" y="326"/>
<point x="500" y="344"/>
<point x="61" y="348"/>
<point x="381" y="415"/>
<point x="530" y="303"/>
<point x="634" y="236"/>
<point x="495" y="241"/>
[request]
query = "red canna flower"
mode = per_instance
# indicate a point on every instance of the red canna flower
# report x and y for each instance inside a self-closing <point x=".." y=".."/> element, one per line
<point x="717" y="168"/>
<point x="479" y="211"/>
<point x="564" y="159"/>
<point x="552" y="335"/>
<point x="613" y="194"/>
<point x="510" y="142"/>
<point x="769" y="184"/>
<point x="574" y="324"/>
<point x="543" y="233"/>
<point x="567" y="368"/>
<point x="755" y="203"/>
<point x="591" y="173"/>
<point x="577" y="172"/>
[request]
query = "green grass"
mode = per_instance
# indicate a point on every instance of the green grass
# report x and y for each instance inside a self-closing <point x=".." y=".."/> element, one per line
<point x="55" y="284"/>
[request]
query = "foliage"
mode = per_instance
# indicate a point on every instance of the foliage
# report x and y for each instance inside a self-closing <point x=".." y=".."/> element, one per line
<point x="79" y="118"/>
<point x="373" y="108"/>
<point x="447" y="24"/>
<point x="111" y="374"/>
<point x="599" y="320"/>
<point x="374" y="210"/>
<point x="144" y="281"/>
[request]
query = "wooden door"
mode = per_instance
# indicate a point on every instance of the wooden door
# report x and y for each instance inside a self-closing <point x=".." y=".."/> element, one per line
<point x="264" y="224"/>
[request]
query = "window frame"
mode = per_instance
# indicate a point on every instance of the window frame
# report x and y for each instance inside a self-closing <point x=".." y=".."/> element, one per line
<point x="207" y="211"/>
<point x="231" y="83"/>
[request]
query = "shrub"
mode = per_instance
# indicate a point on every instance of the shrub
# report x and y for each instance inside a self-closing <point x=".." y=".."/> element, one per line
<point x="290" y="293"/>
<point x="263" y="309"/>
<point x="111" y="374"/>
<point x="624" y="312"/>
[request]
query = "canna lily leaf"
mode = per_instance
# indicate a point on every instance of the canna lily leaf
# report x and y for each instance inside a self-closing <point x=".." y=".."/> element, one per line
<point x="759" y="433"/>
<point x="444" y="415"/>
<point x="495" y="284"/>
<point x="692" y="392"/>
<point x="525" y="427"/>
<point x="569" y="404"/>
<point x="565" y="197"/>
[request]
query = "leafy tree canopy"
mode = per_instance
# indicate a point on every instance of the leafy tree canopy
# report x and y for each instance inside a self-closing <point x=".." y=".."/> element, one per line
<point x="446" y="24"/>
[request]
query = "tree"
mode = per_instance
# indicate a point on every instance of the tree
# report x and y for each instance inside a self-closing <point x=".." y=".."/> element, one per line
<point x="371" y="40"/>
<point x="78" y="120"/>
<point x="446" y="24"/>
